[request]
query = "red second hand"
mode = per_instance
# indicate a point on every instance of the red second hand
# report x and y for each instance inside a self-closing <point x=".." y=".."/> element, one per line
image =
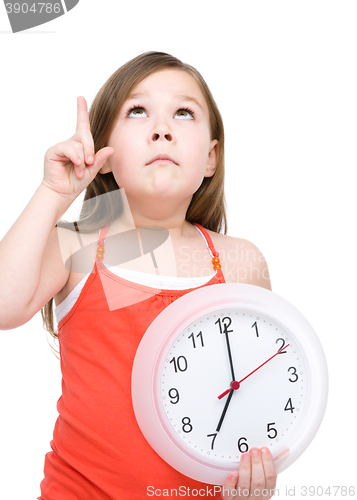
<point x="235" y="385"/>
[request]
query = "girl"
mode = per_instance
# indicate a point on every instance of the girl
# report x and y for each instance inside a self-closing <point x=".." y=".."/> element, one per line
<point x="153" y="130"/>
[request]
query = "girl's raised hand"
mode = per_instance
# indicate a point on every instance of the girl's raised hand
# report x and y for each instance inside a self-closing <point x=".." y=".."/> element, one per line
<point x="71" y="165"/>
<point x="256" y="477"/>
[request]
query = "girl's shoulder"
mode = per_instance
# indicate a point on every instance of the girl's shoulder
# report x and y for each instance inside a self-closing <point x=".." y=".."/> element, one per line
<point x="241" y="260"/>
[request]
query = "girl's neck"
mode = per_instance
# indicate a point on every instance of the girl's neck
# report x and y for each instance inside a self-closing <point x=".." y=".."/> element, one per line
<point x="171" y="218"/>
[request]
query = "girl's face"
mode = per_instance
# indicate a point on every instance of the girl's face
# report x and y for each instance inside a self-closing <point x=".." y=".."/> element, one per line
<point x="161" y="140"/>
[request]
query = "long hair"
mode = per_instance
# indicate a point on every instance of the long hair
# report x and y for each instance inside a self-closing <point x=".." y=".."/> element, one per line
<point x="207" y="205"/>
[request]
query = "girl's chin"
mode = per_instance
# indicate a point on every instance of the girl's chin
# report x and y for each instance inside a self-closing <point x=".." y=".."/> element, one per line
<point x="167" y="194"/>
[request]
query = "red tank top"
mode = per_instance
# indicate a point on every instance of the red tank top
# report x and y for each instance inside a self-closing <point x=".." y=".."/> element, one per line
<point x="98" y="451"/>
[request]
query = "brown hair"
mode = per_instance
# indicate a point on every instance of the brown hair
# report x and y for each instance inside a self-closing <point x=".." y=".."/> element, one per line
<point x="207" y="206"/>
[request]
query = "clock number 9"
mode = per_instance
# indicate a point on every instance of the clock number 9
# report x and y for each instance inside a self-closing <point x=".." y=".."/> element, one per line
<point x="174" y="394"/>
<point x="242" y="447"/>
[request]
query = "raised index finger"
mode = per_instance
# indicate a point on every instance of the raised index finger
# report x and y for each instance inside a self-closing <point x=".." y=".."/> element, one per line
<point x="82" y="115"/>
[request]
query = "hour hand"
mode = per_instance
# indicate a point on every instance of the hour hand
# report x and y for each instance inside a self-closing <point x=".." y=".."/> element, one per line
<point x="224" y="411"/>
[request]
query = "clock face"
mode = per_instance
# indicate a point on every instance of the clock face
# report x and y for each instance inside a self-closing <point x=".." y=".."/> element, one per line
<point x="266" y="407"/>
<point x="226" y="368"/>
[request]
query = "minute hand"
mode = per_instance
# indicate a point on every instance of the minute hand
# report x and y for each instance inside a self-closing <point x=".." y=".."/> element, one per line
<point x="251" y="373"/>
<point x="229" y="352"/>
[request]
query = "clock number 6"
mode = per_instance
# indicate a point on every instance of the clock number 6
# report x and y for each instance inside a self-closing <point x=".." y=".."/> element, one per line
<point x="242" y="447"/>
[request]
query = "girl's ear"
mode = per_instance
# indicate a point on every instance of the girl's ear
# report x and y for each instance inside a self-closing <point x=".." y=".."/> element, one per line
<point x="212" y="158"/>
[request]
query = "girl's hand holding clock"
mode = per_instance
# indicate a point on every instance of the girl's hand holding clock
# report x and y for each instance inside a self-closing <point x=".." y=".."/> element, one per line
<point x="256" y="475"/>
<point x="71" y="165"/>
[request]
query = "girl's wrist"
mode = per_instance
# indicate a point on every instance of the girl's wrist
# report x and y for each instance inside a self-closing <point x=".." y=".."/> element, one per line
<point x="53" y="199"/>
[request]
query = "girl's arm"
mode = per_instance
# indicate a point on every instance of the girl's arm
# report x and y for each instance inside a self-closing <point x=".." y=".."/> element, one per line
<point x="32" y="267"/>
<point x="22" y="252"/>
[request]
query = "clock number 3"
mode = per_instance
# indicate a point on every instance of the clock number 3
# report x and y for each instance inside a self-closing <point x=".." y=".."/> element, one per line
<point x="294" y="374"/>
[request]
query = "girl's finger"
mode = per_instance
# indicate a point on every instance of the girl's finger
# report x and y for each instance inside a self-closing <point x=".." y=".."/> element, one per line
<point x="85" y="137"/>
<point x="82" y="115"/>
<point x="230" y="487"/>
<point x="269" y="469"/>
<point x="244" y="474"/>
<point x="67" y="151"/>
<point x="102" y="155"/>
<point x="258" y="478"/>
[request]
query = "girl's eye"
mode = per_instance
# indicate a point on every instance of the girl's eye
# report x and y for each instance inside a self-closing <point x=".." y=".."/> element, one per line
<point x="184" y="114"/>
<point x="135" y="112"/>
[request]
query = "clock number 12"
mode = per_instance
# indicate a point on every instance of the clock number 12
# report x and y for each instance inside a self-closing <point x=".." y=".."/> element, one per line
<point x="225" y="326"/>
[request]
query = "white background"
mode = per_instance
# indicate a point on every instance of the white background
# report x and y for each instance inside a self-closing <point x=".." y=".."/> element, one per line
<point x="284" y="76"/>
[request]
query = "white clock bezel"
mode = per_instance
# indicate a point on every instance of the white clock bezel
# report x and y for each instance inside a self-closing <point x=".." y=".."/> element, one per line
<point x="151" y="353"/>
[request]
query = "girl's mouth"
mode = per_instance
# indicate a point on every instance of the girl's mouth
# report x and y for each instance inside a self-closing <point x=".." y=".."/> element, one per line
<point x="162" y="159"/>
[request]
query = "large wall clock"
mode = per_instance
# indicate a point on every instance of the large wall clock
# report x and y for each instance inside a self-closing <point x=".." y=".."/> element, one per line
<point x="223" y="369"/>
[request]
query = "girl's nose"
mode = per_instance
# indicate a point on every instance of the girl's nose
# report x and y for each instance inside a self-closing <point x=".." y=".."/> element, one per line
<point x="161" y="131"/>
<point x="157" y="136"/>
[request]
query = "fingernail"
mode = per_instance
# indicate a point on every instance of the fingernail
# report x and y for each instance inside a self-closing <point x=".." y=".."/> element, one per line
<point x="246" y="457"/>
<point x="264" y="450"/>
<point x="254" y="452"/>
<point x="233" y="477"/>
<point x="90" y="159"/>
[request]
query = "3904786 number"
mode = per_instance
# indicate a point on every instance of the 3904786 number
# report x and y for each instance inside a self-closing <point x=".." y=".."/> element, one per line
<point x="33" y="8"/>
<point x="333" y="491"/>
